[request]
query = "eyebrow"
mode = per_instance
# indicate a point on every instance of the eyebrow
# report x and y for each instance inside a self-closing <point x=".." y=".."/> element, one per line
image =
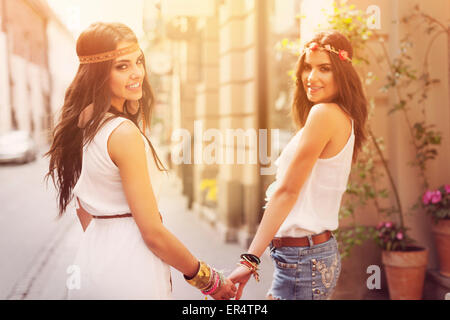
<point x="128" y="60"/>
<point x="320" y="65"/>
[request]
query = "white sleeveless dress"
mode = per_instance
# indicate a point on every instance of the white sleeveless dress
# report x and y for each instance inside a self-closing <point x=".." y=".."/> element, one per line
<point x="317" y="207"/>
<point x="113" y="259"/>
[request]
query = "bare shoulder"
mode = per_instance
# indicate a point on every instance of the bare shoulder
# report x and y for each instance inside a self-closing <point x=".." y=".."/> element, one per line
<point x="323" y="113"/>
<point x="125" y="140"/>
<point x="328" y="108"/>
<point x="328" y="114"/>
<point x="126" y="129"/>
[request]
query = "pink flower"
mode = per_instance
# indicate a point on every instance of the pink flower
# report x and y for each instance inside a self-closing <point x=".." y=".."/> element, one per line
<point x="447" y="188"/>
<point x="436" y="197"/>
<point x="427" y="197"/>
<point x="399" y="236"/>
<point x="388" y="224"/>
<point x="380" y="225"/>
<point x="313" y="46"/>
<point x="343" y="55"/>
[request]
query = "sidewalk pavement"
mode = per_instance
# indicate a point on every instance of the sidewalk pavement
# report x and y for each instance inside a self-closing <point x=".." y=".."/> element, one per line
<point x="47" y="277"/>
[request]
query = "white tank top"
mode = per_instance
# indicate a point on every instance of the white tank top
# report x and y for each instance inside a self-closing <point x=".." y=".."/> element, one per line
<point x="318" y="203"/>
<point x="99" y="187"/>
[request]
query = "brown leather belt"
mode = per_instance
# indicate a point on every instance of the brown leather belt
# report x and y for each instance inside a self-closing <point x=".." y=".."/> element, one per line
<point x="301" y="242"/>
<point x="125" y="215"/>
<point x="81" y="209"/>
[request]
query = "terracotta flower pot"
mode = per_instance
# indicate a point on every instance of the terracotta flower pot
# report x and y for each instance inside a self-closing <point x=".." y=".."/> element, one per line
<point x="405" y="272"/>
<point x="441" y="232"/>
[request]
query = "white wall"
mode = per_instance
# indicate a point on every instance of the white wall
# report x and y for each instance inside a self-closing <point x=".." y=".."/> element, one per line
<point x="5" y="106"/>
<point x="63" y="63"/>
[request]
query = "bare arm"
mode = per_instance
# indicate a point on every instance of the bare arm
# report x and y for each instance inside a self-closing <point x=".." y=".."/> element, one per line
<point x="126" y="148"/>
<point x="316" y="134"/>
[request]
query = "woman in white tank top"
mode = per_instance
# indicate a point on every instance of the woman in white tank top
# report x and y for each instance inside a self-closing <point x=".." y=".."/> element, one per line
<point x="330" y="109"/>
<point x="101" y="155"/>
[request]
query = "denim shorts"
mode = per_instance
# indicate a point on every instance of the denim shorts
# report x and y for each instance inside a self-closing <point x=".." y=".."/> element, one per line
<point x="305" y="273"/>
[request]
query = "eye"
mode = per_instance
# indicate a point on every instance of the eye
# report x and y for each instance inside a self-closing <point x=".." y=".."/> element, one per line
<point x="121" y="66"/>
<point x="325" y="69"/>
<point x="307" y="67"/>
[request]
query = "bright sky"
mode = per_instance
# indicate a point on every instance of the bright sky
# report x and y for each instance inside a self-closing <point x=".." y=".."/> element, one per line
<point x="79" y="14"/>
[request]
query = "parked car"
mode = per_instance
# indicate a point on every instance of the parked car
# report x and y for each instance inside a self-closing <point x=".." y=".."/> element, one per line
<point x="17" y="146"/>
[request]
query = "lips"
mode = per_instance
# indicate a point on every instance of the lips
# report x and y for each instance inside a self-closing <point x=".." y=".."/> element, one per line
<point x="134" y="86"/>
<point x="313" y="89"/>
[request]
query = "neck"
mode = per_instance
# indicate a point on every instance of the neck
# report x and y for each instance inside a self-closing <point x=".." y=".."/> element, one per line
<point x="118" y="104"/>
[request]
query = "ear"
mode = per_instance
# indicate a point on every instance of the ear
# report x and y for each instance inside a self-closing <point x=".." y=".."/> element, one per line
<point x="85" y="116"/>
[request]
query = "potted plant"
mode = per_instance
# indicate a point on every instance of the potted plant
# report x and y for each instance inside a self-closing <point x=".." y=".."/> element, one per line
<point x="405" y="264"/>
<point x="409" y="90"/>
<point x="437" y="204"/>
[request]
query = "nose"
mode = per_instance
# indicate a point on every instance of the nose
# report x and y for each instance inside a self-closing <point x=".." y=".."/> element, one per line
<point x="311" y="76"/>
<point x="137" y="72"/>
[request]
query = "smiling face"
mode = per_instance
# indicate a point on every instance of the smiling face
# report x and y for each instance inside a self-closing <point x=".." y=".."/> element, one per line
<point x="127" y="76"/>
<point x="317" y="77"/>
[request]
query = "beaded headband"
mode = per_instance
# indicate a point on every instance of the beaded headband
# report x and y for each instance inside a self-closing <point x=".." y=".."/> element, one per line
<point x="110" y="55"/>
<point x="343" y="55"/>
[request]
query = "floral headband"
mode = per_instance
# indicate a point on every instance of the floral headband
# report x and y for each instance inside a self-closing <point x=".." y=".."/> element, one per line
<point x="343" y="55"/>
<point x="110" y="55"/>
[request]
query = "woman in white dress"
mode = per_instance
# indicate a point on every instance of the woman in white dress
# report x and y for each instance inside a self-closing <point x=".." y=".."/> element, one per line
<point x="100" y="155"/>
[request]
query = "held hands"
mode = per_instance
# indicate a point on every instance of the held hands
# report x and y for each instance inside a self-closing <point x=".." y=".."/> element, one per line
<point x="212" y="282"/>
<point x="240" y="275"/>
<point x="226" y="291"/>
<point x="247" y="266"/>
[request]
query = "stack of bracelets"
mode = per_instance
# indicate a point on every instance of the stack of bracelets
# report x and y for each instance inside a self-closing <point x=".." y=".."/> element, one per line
<point x="251" y="262"/>
<point x="207" y="279"/>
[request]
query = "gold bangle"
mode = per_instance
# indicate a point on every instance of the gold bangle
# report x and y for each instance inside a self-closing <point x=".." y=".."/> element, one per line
<point x="202" y="278"/>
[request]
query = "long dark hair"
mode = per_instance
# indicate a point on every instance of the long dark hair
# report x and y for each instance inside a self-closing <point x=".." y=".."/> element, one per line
<point x="91" y="87"/>
<point x="350" y="97"/>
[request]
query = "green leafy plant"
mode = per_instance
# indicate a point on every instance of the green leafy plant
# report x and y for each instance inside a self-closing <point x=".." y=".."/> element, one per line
<point x="411" y="90"/>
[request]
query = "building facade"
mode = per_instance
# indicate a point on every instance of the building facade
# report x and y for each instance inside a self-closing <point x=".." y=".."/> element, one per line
<point x="30" y="81"/>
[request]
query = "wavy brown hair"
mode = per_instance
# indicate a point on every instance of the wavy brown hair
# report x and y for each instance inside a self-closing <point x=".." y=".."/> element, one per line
<point x="91" y="86"/>
<point x="350" y="97"/>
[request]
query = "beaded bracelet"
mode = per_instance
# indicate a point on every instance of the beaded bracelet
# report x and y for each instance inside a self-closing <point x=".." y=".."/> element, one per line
<point x="253" y="267"/>
<point x="251" y="257"/>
